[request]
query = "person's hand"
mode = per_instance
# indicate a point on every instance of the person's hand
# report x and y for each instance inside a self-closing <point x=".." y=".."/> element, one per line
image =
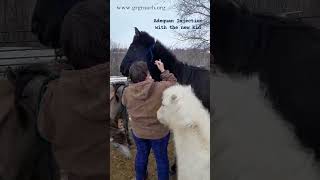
<point x="160" y="65"/>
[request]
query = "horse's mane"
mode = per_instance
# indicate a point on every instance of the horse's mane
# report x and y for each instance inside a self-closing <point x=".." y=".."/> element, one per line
<point x="169" y="58"/>
<point x="160" y="50"/>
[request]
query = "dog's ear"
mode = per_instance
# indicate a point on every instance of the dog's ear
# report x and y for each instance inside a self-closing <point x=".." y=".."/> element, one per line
<point x="174" y="98"/>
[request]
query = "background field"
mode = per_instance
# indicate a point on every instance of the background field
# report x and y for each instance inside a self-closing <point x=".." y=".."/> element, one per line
<point x="123" y="169"/>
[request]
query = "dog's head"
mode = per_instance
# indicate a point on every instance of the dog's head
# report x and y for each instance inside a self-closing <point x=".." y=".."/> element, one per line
<point x="175" y="108"/>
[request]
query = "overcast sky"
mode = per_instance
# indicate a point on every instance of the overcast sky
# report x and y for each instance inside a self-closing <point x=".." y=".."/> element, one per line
<point x="124" y="16"/>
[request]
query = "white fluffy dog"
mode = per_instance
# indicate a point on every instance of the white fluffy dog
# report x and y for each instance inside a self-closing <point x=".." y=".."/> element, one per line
<point x="185" y="115"/>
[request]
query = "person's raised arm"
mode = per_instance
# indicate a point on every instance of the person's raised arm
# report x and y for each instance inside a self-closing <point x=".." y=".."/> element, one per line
<point x="165" y="74"/>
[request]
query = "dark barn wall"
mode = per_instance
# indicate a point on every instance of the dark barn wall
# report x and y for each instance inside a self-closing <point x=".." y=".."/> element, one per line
<point x="15" y="23"/>
<point x="309" y="8"/>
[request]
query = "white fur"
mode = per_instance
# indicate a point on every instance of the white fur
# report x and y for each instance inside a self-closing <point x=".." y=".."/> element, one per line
<point x="251" y="141"/>
<point x="185" y="115"/>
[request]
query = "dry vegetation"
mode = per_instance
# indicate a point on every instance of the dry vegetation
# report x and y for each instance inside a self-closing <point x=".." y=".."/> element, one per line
<point x="123" y="169"/>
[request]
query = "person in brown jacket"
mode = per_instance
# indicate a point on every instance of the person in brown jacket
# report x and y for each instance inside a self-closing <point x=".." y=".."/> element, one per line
<point x="73" y="113"/>
<point x="142" y="100"/>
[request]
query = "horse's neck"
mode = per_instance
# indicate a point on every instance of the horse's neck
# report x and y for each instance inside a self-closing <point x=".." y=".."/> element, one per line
<point x="179" y="69"/>
<point x="172" y="64"/>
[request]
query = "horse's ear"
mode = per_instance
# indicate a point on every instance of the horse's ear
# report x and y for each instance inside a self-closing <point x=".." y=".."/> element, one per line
<point x="11" y="75"/>
<point x="137" y="32"/>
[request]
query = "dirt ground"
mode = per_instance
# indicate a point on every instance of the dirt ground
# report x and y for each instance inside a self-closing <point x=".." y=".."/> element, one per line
<point x="123" y="169"/>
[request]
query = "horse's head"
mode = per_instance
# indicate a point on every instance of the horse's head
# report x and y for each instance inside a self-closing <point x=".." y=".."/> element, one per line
<point x="141" y="49"/>
<point x="47" y="18"/>
<point x="28" y="82"/>
<point x="119" y="136"/>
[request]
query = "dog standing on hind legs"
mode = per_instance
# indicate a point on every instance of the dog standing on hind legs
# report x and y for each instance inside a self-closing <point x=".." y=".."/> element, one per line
<point x="185" y="115"/>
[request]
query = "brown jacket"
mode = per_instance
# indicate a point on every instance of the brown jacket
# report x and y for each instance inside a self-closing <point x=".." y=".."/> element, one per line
<point x="73" y="117"/>
<point x="143" y="100"/>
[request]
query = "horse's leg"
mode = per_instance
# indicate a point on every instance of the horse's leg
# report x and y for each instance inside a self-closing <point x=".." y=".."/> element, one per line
<point x="126" y="125"/>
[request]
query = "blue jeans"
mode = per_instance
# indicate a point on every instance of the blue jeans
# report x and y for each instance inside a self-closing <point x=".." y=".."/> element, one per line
<point x="159" y="147"/>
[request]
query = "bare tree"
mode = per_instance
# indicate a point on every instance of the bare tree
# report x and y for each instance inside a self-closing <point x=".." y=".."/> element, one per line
<point x="114" y="45"/>
<point x="116" y="55"/>
<point x="199" y="9"/>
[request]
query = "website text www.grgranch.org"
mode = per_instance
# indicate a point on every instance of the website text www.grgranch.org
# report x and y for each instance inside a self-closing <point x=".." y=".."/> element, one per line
<point x="141" y="8"/>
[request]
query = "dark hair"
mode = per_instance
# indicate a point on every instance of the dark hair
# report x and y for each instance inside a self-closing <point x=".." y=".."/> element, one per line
<point x="138" y="71"/>
<point x="84" y="34"/>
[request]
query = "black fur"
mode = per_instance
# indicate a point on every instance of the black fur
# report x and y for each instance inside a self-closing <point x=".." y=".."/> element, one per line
<point x="145" y="48"/>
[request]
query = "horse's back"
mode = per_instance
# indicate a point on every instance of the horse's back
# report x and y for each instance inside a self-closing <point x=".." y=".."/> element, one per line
<point x="200" y="81"/>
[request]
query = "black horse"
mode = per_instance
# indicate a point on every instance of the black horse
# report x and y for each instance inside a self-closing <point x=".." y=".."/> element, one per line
<point x="144" y="47"/>
<point x="24" y="154"/>
<point x="47" y="19"/>
<point x="280" y="57"/>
